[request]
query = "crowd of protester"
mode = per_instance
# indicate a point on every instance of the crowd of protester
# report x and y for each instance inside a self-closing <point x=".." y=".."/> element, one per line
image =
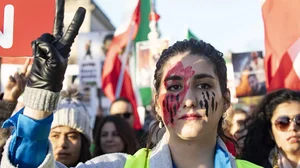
<point x="193" y="122"/>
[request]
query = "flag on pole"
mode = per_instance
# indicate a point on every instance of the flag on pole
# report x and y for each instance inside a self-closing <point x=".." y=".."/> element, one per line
<point x="116" y="80"/>
<point x="190" y="34"/>
<point x="144" y="93"/>
<point x="144" y="28"/>
<point x="282" y="44"/>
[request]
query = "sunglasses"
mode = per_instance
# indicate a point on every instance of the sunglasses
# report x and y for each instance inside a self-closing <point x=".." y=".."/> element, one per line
<point x="124" y="115"/>
<point x="283" y="123"/>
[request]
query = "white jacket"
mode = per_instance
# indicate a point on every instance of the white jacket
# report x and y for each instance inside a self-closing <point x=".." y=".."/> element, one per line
<point x="160" y="158"/>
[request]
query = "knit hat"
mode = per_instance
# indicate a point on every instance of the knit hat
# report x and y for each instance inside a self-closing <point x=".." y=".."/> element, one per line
<point x="71" y="112"/>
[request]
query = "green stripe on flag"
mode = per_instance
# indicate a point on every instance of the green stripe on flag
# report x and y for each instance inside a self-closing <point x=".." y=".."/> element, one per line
<point x="144" y="28"/>
<point x="146" y="95"/>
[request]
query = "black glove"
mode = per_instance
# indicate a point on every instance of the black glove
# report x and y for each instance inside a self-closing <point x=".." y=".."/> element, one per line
<point x="51" y="52"/>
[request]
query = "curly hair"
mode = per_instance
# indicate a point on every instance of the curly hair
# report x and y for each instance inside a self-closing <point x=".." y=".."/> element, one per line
<point x="259" y="126"/>
<point x="203" y="50"/>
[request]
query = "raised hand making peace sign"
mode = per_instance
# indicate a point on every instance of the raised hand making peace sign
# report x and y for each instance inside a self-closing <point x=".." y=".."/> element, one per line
<point x="51" y="52"/>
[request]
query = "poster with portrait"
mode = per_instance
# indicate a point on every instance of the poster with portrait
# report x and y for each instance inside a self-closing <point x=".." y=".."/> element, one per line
<point x="147" y="54"/>
<point x="248" y="103"/>
<point x="249" y="74"/>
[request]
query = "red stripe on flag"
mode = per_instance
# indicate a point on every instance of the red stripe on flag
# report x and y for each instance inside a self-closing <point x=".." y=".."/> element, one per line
<point x="282" y="29"/>
<point x="285" y="75"/>
<point x="112" y="66"/>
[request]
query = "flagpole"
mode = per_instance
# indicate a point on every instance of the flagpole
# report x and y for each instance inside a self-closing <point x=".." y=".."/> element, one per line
<point x="123" y="62"/>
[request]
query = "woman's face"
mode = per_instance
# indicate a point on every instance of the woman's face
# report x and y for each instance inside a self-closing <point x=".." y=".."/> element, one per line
<point x="110" y="140"/>
<point x="287" y="138"/>
<point x="66" y="144"/>
<point x="190" y="100"/>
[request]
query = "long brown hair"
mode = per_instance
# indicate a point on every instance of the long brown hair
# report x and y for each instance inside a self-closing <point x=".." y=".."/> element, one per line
<point x="124" y="130"/>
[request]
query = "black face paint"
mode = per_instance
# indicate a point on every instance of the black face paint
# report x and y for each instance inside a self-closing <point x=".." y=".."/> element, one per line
<point x="167" y="103"/>
<point x="177" y="105"/>
<point x="170" y="109"/>
<point x="201" y="104"/>
<point x="174" y="110"/>
<point x="170" y="104"/>
<point x="206" y="107"/>
<point x="205" y="104"/>
<point x="213" y="103"/>
<point x="207" y="94"/>
<point x="177" y="98"/>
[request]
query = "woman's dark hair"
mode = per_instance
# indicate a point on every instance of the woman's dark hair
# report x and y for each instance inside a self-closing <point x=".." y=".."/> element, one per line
<point x="125" y="132"/>
<point x="204" y="50"/>
<point x="85" y="153"/>
<point x="259" y="126"/>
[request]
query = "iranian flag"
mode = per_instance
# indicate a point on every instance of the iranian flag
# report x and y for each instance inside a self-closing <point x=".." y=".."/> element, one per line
<point x="116" y="80"/>
<point x="145" y="93"/>
<point x="282" y="43"/>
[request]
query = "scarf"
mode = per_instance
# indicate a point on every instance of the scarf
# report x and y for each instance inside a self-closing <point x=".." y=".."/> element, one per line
<point x="278" y="160"/>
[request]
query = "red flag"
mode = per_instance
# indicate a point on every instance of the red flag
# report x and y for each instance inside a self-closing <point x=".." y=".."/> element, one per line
<point x="282" y="44"/>
<point x="113" y="65"/>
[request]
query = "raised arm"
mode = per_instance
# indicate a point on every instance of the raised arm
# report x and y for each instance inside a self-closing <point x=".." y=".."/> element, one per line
<point x="9" y="99"/>
<point x="29" y="145"/>
<point x="51" y="54"/>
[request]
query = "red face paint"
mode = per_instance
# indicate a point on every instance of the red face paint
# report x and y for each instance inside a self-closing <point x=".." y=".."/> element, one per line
<point x="171" y="101"/>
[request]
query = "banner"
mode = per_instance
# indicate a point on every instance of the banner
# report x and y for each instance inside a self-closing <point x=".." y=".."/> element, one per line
<point x="249" y="73"/>
<point x="91" y="56"/>
<point x="92" y="48"/>
<point x="21" y="22"/>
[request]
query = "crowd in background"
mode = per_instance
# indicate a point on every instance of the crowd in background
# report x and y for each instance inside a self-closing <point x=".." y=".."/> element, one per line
<point x="192" y="121"/>
<point x="273" y="127"/>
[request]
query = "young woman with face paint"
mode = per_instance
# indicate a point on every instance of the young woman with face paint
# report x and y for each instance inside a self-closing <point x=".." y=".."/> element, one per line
<point x="191" y="97"/>
<point x="274" y="129"/>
